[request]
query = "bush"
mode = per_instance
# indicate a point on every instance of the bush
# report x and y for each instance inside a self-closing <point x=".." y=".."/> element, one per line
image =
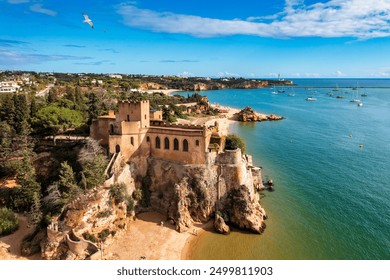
<point x="118" y="192"/>
<point x="233" y="141"/>
<point x="104" y="234"/>
<point x="90" y="237"/>
<point x="8" y="221"/>
<point x="137" y="194"/>
<point x="129" y="204"/>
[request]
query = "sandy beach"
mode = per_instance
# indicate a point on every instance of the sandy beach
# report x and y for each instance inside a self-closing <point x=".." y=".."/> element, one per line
<point x="145" y="238"/>
<point x="164" y="91"/>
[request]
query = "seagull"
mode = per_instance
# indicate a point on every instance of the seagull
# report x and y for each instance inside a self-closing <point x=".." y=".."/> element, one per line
<point x="87" y="20"/>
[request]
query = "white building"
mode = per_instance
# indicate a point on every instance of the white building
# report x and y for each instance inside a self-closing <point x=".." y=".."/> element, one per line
<point x="9" y="87"/>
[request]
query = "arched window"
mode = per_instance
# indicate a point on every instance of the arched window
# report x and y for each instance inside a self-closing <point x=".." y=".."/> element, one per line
<point x="132" y="141"/>
<point x="166" y="143"/>
<point x="112" y="129"/>
<point x="145" y="116"/>
<point x="197" y="142"/>
<point x="147" y="139"/>
<point x="128" y="118"/>
<point x="185" y="145"/>
<point x="176" y="144"/>
<point x="157" y="142"/>
<point x="117" y="149"/>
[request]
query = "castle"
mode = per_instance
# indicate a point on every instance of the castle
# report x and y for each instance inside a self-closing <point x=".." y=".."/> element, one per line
<point x="138" y="133"/>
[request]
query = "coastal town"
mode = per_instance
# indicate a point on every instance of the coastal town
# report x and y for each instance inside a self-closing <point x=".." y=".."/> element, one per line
<point x="98" y="161"/>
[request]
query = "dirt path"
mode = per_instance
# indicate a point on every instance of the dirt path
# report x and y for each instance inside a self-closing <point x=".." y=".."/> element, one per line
<point x="10" y="244"/>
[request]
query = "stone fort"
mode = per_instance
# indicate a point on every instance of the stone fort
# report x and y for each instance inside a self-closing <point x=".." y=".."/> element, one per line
<point x="138" y="133"/>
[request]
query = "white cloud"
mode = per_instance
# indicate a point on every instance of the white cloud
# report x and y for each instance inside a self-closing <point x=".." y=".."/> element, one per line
<point x="335" y="18"/>
<point x="340" y="74"/>
<point x="227" y="75"/>
<point x="185" y="74"/>
<point x="17" y="58"/>
<point x="38" y="8"/>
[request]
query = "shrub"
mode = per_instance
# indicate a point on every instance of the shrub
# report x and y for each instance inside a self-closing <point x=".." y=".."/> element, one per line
<point x="129" y="204"/>
<point x="137" y="194"/>
<point x="104" y="234"/>
<point x="118" y="193"/>
<point x="103" y="214"/>
<point x="90" y="237"/>
<point x="233" y="141"/>
<point x="8" y="221"/>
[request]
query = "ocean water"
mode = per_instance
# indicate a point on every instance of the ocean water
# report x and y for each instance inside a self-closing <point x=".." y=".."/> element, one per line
<point x="332" y="197"/>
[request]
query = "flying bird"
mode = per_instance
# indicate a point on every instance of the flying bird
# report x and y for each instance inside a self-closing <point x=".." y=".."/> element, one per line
<point x="87" y="20"/>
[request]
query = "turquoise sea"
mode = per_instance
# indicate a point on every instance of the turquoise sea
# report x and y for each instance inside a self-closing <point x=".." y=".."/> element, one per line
<point x="332" y="198"/>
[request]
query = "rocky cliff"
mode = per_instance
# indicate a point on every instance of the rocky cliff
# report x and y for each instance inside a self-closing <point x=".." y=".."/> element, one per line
<point x="224" y="188"/>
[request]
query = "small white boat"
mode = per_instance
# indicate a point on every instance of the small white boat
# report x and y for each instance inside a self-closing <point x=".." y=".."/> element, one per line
<point x="311" y="99"/>
<point x="355" y="100"/>
<point x="360" y="104"/>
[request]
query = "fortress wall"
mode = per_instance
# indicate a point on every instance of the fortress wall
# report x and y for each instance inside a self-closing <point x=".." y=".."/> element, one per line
<point x="129" y="127"/>
<point x="196" y="147"/>
<point x="229" y="157"/>
<point x="100" y="129"/>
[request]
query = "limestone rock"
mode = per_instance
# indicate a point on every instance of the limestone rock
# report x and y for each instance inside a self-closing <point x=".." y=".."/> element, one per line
<point x="220" y="226"/>
<point x="249" y="115"/>
<point x="244" y="212"/>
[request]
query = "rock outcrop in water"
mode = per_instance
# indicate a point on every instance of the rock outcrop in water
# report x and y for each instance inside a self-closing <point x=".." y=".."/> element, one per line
<point x="249" y="115"/>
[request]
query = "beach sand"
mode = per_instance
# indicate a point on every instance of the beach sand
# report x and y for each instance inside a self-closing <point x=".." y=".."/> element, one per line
<point x="164" y="91"/>
<point x="146" y="238"/>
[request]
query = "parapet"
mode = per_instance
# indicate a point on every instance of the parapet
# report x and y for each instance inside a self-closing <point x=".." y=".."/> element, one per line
<point x="179" y="125"/>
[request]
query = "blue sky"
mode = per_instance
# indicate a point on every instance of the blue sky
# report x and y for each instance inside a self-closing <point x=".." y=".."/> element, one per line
<point x="259" y="39"/>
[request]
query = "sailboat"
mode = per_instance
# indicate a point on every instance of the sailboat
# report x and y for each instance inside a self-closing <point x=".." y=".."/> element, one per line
<point x="274" y="90"/>
<point x="291" y="92"/>
<point x="355" y="99"/>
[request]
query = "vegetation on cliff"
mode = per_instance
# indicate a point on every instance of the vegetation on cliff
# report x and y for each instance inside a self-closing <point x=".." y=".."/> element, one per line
<point x="234" y="141"/>
<point x="8" y="221"/>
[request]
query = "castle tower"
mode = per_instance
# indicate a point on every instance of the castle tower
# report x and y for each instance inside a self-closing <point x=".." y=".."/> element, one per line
<point x="134" y="111"/>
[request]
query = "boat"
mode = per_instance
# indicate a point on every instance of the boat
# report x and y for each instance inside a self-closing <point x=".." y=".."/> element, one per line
<point x="355" y="99"/>
<point x="360" y="104"/>
<point x="291" y="92"/>
<point x="311" y="99"/>
<point x="330" y="94"/>
<point x="336" y="88"/>
<point x="364" y="94"/>
<point x="281" y="90"/>
<point x="340" y="96"/>
<point x="274" y="90"/>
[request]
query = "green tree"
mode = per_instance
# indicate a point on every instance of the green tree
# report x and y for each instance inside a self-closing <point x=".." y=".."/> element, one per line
<point x="53" y="95"/>
<point x="62" y="191"/>
<point x="22" y="112"/>
<point x="93" y="163"/>
<point x="7" y="109"/>
<point x="234" y="141"/>
<point x="57" y="119"/>
<point x="27" y="195"/>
